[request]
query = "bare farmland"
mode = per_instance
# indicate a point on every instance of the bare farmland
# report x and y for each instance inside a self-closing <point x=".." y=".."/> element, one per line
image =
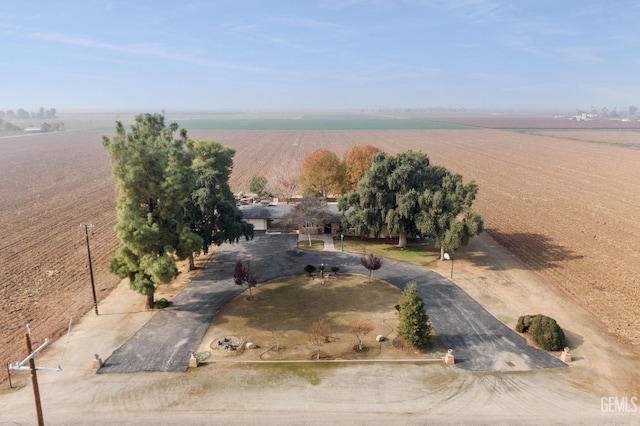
<point x="569" y="209"/>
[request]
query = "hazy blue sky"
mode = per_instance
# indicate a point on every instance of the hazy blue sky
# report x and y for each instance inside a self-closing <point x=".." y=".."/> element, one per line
<point x="319" y="54"/>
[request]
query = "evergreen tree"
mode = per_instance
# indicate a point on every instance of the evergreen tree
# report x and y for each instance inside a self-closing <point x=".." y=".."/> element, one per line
<point x="412" y="197"/>
<point x="154" y="180"/>
<point x="414" y="326"/>
<point x="211" y="209"/>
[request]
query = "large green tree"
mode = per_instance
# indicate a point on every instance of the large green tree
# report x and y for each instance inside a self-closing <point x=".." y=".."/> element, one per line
<point x="445" y="211"/>
<point x="211" y="210"/>
<point x="412" y="197"/>
<point x="154" y="180"/>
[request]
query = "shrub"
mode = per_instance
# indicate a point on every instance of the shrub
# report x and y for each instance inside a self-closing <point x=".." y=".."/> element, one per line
<point x="523" y="323"/>
<point x="547" y="333"/>
<point x="544" y="330"/>
<point x="309" y="269"/>
<point x="160" y="303"/>
<point x="335" y="269"/>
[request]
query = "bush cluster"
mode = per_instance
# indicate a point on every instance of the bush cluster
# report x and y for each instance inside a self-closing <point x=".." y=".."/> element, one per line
<point x="310" y="269"/>
<point x="544" y="330"/>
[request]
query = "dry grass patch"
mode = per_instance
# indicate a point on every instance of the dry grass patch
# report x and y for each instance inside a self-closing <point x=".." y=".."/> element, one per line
<point x="316" y="245"/>
<point x="278" y="318"/>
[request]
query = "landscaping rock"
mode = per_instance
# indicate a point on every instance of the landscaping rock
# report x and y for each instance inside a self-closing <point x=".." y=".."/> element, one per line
<point x="380" y="338"/>
<point x="251" y="345"/>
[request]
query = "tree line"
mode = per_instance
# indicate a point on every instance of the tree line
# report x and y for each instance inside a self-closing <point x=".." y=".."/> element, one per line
<point x="321" y="172"/>
<point x="22" y="114"/>
<point x="402" y="194"/>
<point x="6" y="118"/>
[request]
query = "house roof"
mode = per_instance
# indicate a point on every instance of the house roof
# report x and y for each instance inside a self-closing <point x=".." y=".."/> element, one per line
<point x="282" y="211"/>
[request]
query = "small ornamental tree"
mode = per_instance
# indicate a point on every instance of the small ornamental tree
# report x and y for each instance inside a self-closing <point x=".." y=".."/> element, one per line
<point x="278" y="337"/>
<point x="361" y="328"/>
<point x="283" y="181"/>
<point x="238" y="273"/>
<point x="309" y="269"/>
<point x="319" y="332"/>
<point x="371" y="262"/>
<point x="414" y="326"/>
<point x="309" y="214"/>
<point x="244" y="275"/>
<point x="258" y="185"/>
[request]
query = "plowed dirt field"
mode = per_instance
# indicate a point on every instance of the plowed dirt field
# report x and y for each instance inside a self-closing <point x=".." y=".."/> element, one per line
<point x="568" y="207"/>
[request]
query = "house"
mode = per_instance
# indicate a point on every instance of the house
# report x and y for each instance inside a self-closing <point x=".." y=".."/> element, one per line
<point x="273" y="217"/>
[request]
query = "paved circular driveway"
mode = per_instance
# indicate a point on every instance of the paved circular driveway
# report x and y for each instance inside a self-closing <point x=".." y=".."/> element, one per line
<point x="480" y="341"/>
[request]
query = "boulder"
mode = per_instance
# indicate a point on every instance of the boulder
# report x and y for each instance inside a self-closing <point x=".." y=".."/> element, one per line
<point x="251" y="345"/>
<point x="380" y="338"/>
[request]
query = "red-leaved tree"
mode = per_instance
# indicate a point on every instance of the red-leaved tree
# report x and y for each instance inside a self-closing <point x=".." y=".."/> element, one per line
<point x="357" y="160"/>
<point x="371" y="262"/>
<point x="321" y="172"/>
<point x="244" y="275"/>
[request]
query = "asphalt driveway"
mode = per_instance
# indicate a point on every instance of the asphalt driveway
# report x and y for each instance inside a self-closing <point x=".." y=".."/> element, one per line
<point x="480" y="341"/>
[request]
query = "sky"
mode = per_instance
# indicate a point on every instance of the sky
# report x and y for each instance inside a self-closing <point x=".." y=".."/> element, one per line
<point x="319" y="54"/>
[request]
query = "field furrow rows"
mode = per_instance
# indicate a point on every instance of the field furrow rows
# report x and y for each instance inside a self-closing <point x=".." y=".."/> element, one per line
<point x="569" y="209"/>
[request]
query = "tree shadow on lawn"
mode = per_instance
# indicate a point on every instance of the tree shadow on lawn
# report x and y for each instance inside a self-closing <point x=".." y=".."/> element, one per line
<point x="418" y="252"/>
<point x="537" y="251"/>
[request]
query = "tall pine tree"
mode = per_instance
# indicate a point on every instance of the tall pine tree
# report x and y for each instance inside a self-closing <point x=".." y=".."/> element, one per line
<point x="154" y="180"/>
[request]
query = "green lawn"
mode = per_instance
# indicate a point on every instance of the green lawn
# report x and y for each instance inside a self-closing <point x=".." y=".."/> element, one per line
<point x="418" y="252"/>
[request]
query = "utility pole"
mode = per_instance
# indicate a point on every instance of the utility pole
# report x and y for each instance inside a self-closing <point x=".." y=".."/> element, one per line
<point x="34" y="382"/>
<point x="32" y="369"/>
<point x="93" y="285"/>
